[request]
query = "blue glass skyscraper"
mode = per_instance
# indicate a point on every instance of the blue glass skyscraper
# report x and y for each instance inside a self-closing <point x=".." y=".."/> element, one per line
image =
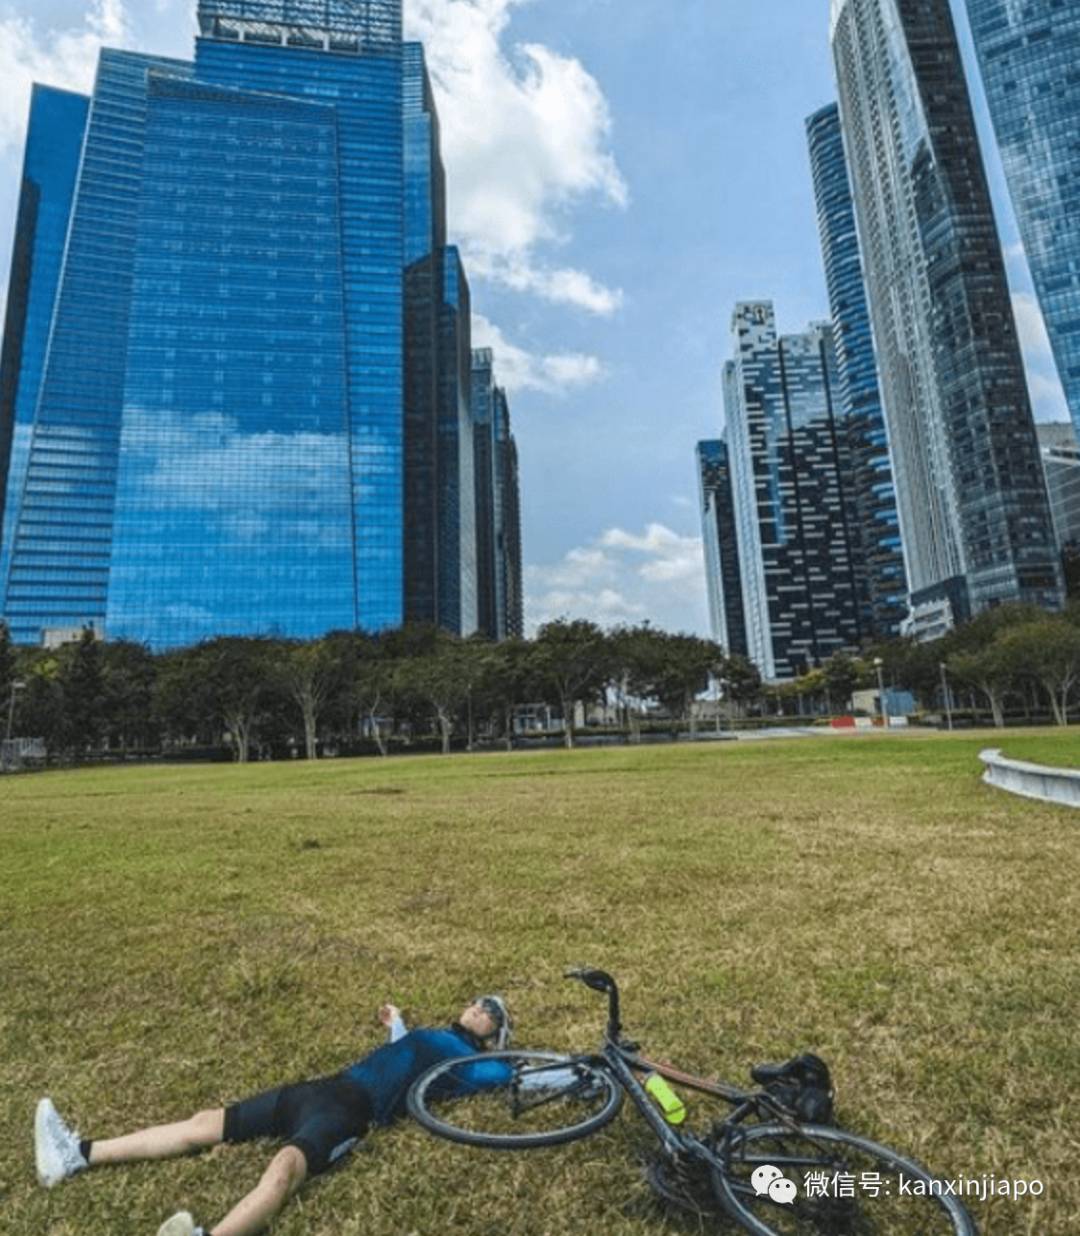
<point x="218" y="444"/>
<point x="54" y="142"/>
<point x="1029" y="54"/>
<point x="875" y="525"/>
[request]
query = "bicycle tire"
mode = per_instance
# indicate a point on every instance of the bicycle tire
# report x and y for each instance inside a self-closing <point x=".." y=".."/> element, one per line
<point x="591" y="1084"/>
<point x="926" y="1215"/>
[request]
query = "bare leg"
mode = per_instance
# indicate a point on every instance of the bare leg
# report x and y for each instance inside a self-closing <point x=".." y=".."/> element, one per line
<point x="165" y="1141"/>
<point x="286" y="1173"/>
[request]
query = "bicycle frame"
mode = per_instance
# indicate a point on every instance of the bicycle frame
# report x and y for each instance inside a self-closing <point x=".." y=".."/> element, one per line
<point x="624" y="1062"/>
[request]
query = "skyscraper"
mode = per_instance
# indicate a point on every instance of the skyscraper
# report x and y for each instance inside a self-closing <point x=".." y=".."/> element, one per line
<point x="971" y="495"/>
<point x="789" y="468"/>
<point x="54" y="142"/>
<point x="440" y="514"/>
<point x="720" y="540"/>
<point x="498" y="504"/>
<point x="875" y="525"/>
<point x="203" y="407"/>
<point x="510" y="589"/>
<point x="1028" y="54"/>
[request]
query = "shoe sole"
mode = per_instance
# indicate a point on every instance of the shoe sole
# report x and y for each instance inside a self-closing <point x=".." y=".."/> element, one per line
<point x="49" y="1172"/>
<point x="181" y="1224"/>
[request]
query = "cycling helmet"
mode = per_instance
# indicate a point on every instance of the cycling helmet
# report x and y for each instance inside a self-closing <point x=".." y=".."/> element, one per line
<point x="495" y="1007"/>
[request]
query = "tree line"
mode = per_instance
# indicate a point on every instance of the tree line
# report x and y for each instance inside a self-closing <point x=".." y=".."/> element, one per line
<point x="418" y="686"/>
<point x="348" y="691"/>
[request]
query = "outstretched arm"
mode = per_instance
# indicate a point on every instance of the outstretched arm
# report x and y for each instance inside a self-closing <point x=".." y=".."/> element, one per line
<point x="390" y="1016"/>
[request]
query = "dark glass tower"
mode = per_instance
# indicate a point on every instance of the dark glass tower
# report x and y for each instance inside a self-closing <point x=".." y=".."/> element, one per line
<point x="54" y="142"/>
<point x="875" y="526"/>
<point x="509" y="598"/>
<point x="483" y="424"/>
<point x="971" y="494"/>
<point x="1029" y="54"/>
<point x="789" y="470"/>
<point x="219" y="442"/>
<point x="721" y="544"/>
<point x="440" y="515"/>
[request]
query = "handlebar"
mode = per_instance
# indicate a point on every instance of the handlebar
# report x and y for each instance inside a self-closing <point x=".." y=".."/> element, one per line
<point x="600" y="980"/>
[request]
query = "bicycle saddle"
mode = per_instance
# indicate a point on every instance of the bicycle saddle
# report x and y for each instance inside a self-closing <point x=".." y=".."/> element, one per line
<point x="807" y="1069"/>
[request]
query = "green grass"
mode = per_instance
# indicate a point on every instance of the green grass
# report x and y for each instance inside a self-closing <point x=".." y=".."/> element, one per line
<point x="171" y="938"/>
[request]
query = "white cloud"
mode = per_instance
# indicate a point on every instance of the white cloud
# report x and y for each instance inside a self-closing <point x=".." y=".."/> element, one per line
<point x="67" y="58"/>
<point x="622" y="576"/>
<point x="525" y="138"/>
<point x="517" y="369"/>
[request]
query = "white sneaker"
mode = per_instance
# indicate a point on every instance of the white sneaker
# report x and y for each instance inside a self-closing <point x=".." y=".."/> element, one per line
<point x="181" y="1224"/>
<point x="56" y="1147"/>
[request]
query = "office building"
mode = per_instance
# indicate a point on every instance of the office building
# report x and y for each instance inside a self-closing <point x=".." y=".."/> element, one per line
<point x="1028" y="54"/>
<point x="236" y="399"/>
<point x="789" y="470"/>
<point x="879" y="555"/>
<point x="498" y="505"/>
<point x="720" y="541"/>
<point x="971" y="496"/>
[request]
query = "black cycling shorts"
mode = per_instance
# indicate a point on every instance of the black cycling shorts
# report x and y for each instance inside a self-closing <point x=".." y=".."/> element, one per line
<point x="323" y="1119"/>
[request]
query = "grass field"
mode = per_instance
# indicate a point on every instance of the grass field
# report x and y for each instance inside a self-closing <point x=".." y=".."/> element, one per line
<point x="171" y="938"/>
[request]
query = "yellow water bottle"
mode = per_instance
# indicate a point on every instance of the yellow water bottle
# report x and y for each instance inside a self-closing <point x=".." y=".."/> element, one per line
<point x="670" y="1104"/>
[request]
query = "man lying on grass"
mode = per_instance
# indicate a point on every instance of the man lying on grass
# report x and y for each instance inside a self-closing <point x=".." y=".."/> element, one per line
<point x="320" y="1121"/>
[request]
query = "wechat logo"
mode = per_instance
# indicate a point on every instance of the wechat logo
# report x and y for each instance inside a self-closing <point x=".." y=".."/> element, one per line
<point x="771" y="1181"/>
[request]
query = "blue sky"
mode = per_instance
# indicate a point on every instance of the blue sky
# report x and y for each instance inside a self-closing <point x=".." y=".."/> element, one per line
<point x="620" y="173"/>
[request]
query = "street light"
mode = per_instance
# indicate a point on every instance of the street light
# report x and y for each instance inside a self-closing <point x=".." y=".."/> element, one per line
<point x="878" y="663"/>
<point x="16" y="686"/>
<point x="946" y="694"/>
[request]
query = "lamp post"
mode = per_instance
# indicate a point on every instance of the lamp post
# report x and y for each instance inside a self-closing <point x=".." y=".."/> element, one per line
<point x="878" y="663"/>
<point x="16" y="686"/>
<point x="946" y="695"/>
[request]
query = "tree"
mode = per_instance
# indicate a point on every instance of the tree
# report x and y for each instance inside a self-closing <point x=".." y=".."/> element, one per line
<point x="637" y="659"/>
<point x="841" y="678"/>
<point x="1047" y="649"/>
<point x="443" y="679"/>
<point x="573" y="661"/>
<point x="507" y="675"/>
<point x="309" y="675"/>
<point x="685" y="664"/>
<point x="81" y="681"/>
<point x="992" y="671"/>
<point x="7" y="669"/>
<point x="129" y="672"/>
<point x="741" y="680"/>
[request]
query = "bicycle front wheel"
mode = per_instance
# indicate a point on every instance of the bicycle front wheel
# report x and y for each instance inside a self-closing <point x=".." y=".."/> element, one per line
<point x="815" y="1180"/>
<point x="515" y="1100"/>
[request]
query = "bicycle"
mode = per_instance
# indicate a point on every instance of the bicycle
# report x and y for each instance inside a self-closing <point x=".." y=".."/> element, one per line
<point x="761" y="1167"/>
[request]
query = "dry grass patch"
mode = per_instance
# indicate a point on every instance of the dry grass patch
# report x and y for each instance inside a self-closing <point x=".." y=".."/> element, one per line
<point x="173" y="937"/>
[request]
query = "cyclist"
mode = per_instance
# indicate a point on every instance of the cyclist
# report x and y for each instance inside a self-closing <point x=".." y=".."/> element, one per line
<point x="320" y="1121"/>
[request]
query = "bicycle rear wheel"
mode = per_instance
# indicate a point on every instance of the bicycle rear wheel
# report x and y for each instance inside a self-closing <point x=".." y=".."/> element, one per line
<point x="839" y="1185"/>
<point x="515" y="1100"/>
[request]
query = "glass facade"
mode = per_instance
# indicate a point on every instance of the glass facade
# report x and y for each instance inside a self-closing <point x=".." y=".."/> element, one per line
<point x="440" y="503"/>
<point x="457" y="495"/>
<point x="876" y="523"/>
<point x="1029" y="54"/>
<point x="214" y="365"/>
<point x="483" y="430"/>
<point x="971" y="494"/>
<point x="508" y="570"/>
<point x="54" y="144"/>
<point x="721" y="546"/>
<point x="789" y="469"/>
<point x="59" y="568"/>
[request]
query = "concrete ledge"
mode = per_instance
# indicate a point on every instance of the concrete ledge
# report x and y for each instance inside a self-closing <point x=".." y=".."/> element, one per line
<point x="1048" y="785"/>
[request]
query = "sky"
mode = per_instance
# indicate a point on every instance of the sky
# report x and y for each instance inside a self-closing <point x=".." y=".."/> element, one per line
<point x="620" y="173"/>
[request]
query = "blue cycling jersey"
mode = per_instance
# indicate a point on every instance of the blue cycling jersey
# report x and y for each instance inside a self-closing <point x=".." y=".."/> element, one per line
<point x="387" y="1073"/>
